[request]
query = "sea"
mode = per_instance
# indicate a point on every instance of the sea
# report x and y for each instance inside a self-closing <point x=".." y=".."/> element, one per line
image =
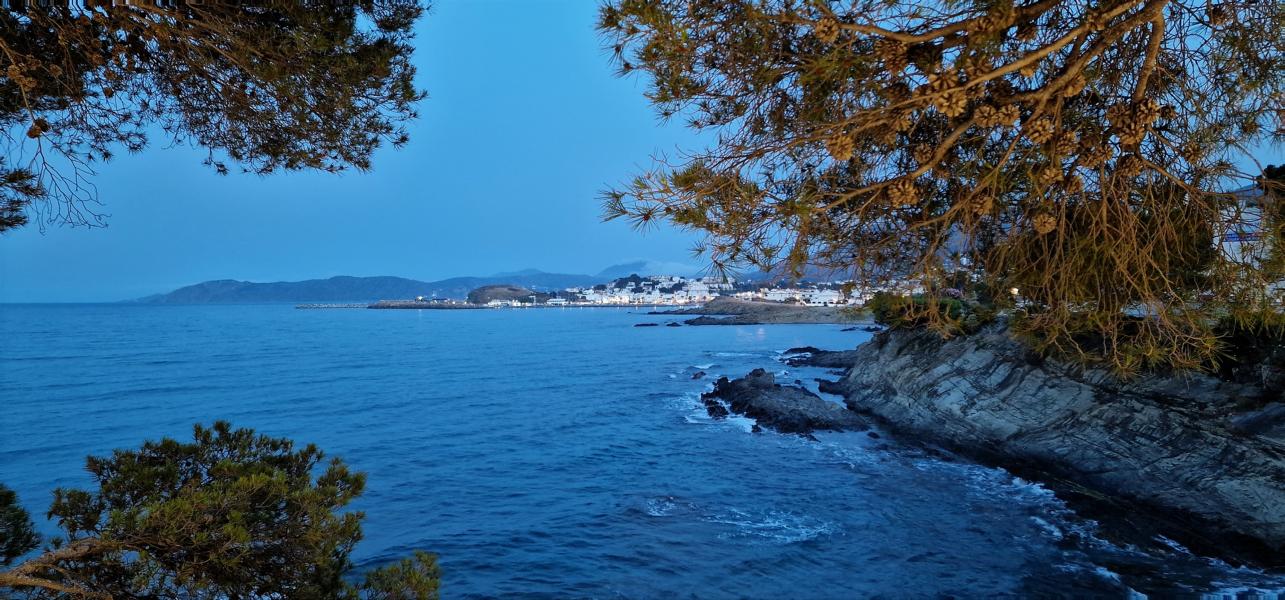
<point x="565" y="453"/>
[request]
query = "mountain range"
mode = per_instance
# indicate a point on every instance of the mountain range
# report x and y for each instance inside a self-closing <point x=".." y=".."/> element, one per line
<point x="369" y="289"/>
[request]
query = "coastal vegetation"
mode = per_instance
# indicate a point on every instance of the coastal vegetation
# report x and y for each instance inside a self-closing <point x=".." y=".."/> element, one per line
<point x="268" y="87"/>
<point x="231" y="514"/>
<point x="1096" y="159"/>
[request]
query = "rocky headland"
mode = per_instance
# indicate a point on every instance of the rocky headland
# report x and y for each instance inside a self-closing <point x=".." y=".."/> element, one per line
<point x="727" y="310"/>
<point x="1194" y="458"/>
<point x="506" y="293"/>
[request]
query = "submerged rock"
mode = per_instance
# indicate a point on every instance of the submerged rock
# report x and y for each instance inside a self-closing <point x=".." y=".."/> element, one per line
<point x="787" y="409"/>
<point x="646" y="325"/>
<point x="803" y="350"/>
<point x="698" y="375"/>
<point x="1167" y="447"/>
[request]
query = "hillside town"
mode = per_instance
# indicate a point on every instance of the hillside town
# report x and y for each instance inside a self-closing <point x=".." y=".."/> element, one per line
<point x="671" y="290"/>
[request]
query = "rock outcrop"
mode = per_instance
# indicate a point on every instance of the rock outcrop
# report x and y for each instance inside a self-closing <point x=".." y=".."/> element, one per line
<point x="827" y="359"/>
<point x="1173" y="448"/>
<point x="787" y="409"/>
<point x="505" y="293"/>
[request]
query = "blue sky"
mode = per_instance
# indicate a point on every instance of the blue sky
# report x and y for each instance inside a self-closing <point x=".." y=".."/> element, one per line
<point x="525" y="123"/>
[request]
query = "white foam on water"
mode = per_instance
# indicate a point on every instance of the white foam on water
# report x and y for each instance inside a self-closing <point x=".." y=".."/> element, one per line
<point x="660" y="507"/>
<point x="773" y="526"/>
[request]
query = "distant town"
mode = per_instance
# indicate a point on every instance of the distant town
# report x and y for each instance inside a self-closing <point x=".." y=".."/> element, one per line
<point x="649" y="290"/>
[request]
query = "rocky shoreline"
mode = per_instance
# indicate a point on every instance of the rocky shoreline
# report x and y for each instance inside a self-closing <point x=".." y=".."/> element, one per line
<point x="1160" y="455"/>
<point x="726" y="310"/>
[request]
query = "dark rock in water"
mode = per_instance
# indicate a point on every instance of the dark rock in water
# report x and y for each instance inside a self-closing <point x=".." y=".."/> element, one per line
<point x="756" y="429"/>
<point x="798" y="382"/>
<point x="786" y="409"/>
<point x="1163" y="448"/>
<point x="803" y="350"/>
<point x="673" y="324"/>
<point x="829" y="359"/>
<point x="872" y="328"/>
<point x="646" y="325"/>
<point x="714" y="408"/>
<point x="848" y="329"/>
<point x="698" y="375"/>
<point x="872" y="435"/>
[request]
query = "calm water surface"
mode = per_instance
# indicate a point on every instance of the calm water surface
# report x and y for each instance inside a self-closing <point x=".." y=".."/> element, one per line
<point x="561" y="453"/>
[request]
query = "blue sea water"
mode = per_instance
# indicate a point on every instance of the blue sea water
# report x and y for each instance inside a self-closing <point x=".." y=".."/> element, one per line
<point x="562" y="453"/>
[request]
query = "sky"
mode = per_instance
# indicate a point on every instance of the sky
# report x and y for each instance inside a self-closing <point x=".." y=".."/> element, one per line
<point x="524" y="125"/>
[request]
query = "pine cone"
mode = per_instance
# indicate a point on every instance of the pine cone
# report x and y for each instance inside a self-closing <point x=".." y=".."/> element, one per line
<point x="981" y="205"/>
<point x="902" y="193"/>
<point x="922" y="153"/>
<point x="975" y="65"/>
<point x="951" y="104"/>
<point x="1044" y="223"/>
<point x="1116" y="113"/>
<point x="986" y="116"/>
<point x="1131" y="134"/>
<point x="892" y="53"/>
<point x="840" y="147"/>
<point x="826" y="29"/>
<point x="1066" y="143"/>
<point x="1049" y="175"/>
<point x="1008" y="115"/>
<point x="1147" y="110"/>
<point x="1128" y="165"/>
<point x="1192" y="151"/>
<point x="1038" y="131"/>
<point x="1094" y="152"/>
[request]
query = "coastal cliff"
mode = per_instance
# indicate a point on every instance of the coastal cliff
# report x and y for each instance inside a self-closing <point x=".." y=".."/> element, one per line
<point x="1169" y="455"/>
<point x="1169" y="443"/>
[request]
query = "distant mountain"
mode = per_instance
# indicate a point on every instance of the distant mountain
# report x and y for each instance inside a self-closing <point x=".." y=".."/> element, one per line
<point x="359" y="289"/>
<point x="647" y="267"/>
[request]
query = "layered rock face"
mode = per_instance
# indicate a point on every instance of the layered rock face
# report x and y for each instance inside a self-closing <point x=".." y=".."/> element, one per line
<point x="1170" y="444"/>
